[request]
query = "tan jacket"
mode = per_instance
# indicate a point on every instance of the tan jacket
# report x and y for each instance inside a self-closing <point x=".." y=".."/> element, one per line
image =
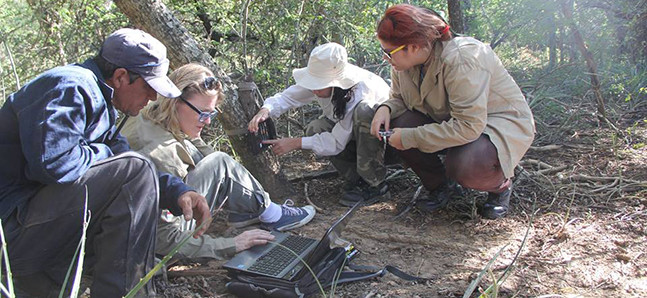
<point x="167" y="153"/>
<point x="171" y="155"/>
<point x="468" y="92"/>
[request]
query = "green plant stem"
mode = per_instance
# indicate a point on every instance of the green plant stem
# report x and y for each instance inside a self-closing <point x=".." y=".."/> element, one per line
<point x="475" y="282"/>
<point x="87" y="216"/>
<point x="333" y="287"/>
<point x="8" y="291"/>
<point x="305" y="264"/>
<point x="508" y="269"/>
<point x="80" y="251"/>
<point x="166" y="258"/>
<point x="161" y="264"/>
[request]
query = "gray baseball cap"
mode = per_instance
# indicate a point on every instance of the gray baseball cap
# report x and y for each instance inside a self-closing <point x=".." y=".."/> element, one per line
<point x="140" y="53"/>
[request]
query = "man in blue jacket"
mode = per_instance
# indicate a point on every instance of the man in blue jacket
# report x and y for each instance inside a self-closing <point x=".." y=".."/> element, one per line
<point x="57" y="139"/>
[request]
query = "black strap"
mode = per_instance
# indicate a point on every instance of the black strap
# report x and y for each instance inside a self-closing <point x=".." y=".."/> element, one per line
<point x="121" y="125"/>
<point x="366" y="272"/>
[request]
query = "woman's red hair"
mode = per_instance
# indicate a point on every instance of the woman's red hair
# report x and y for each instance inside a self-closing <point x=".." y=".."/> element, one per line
<point x="409" y="24"/>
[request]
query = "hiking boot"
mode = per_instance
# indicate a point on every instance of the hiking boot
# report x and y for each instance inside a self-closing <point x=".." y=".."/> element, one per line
<point x="238" y="220"/>
<point x="350" y="185"/>
<point x="430" y="201"/>
<point x="497" y="204"/>
<point x="370" y="194"/>
<point x="291" y="217"/>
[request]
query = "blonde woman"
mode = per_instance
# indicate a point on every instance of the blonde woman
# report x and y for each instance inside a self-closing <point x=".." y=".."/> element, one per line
<point x="168" y="132"/>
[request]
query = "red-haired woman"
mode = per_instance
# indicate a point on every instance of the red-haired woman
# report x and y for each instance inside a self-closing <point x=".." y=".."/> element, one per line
<point x="451" y="95"/>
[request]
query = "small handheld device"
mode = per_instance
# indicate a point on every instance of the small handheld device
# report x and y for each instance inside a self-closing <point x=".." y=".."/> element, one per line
<point x="266" y="131"/>
<point x="385" y="133"/>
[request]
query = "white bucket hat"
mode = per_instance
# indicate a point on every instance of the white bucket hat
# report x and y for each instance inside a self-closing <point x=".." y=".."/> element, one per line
<point x="328" y="67"/>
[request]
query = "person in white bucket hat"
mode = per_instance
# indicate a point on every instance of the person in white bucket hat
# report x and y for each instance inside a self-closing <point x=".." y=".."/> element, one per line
<point x="348" y="96"/>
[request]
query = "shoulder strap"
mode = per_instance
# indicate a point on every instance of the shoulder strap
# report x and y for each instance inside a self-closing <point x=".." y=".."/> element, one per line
<point x="366" y="272"/>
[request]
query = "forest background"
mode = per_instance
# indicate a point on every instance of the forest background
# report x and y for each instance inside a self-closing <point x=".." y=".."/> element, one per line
<point x="582" y="65"/>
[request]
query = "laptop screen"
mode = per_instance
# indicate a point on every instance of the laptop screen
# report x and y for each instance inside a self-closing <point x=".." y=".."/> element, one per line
<point x="332" y="237"/>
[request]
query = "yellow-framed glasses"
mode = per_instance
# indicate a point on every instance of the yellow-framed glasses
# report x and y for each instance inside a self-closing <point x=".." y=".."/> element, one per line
<point x="388" y="54"/>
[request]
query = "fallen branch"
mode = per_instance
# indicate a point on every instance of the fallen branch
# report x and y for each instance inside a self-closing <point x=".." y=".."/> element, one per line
<point x="197" y="272"/>
<point x="587" y="178"/>
<point x="546" y="148"/>
<point x="552" y="170"/>
<point x="537" y="163"/>
<point x="613" y="184"/>
<point x="313" y="175"/>
<point x="305" y="190"/>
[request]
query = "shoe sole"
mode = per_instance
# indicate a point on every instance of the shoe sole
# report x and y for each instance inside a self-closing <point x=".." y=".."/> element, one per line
<point x="300" y="223"/>
<point x="245" y="223"/>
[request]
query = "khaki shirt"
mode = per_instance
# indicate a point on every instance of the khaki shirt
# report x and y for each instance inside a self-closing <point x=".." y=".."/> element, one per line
<point x="167" y="153"/>
<point x="173" y="156"/>
<point x="468" y="92"/>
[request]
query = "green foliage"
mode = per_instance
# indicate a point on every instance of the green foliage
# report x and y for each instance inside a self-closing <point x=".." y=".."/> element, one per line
<point x="51" y="34"/>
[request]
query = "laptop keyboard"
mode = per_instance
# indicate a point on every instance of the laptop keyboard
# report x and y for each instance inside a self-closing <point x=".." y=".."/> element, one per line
<point x="277" y="258"/>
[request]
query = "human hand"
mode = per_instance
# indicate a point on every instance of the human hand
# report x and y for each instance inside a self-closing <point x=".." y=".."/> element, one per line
<point x="382" y="117"/>
<point x="395" y="140"/>
<point x="285" y="145"/>
<point x="260" y="116"/>
<point x="194" y="206"/>
<point x="252" y="238"/>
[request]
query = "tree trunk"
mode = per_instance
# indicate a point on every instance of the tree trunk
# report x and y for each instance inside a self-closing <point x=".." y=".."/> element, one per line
<point x="153" y="17"/>
<point x="567" y="6"/>
<point x="456" y="15"/>
<point x="552" y="43"/>
<point x="468" y="16"/>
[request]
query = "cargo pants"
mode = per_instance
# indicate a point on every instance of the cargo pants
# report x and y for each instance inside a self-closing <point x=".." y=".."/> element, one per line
<point x="217" y="176"/>
<point x="363" y="156"/>
<point x="122" y="194"/>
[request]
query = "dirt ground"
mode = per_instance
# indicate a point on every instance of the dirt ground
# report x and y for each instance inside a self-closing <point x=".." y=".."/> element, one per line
<point x="586" y="199"/>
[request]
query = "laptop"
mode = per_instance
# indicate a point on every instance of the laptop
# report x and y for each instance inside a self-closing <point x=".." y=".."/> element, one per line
<point x="272" y="260"/>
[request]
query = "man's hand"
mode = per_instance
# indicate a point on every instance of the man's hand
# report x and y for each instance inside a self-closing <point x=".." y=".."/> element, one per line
<point x="194" y="206"/>
<point x="382" y="117"/>
<point x="395" y="140"/>
<point x="261" y="116"/>
<point x="252" y="238"/>
<point x="285" y="145"/>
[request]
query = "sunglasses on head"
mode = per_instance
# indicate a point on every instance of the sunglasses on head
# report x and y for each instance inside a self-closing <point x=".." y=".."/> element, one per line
<point x="210" y="83"/>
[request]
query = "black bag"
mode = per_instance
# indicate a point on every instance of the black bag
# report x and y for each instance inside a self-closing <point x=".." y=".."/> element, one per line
<point x="329" y="272"/>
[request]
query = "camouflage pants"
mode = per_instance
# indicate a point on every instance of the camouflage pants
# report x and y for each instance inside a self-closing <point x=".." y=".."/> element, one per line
<point x="363" y="156"/>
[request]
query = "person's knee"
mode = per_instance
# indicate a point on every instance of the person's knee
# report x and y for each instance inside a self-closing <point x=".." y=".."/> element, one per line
<point x="471" y="172"/>
<point x="458" y="171"/>
<point x="314" y="128"/>
<point x="137" y="166"/>
<point x="219" y="158"/>
<point x="401" y="122"/>
<point x="363" y="114"/>
<point x="411" y="119"/>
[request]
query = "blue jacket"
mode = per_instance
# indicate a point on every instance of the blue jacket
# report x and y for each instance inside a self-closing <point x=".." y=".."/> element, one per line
<point x="55" y="128"/>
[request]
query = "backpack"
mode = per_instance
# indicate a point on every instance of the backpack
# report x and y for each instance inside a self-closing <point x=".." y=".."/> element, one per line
<point x="329" y="272"/>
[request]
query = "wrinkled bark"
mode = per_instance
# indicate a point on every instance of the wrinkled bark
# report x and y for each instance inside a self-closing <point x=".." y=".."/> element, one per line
<point x="456" y="20"/>
<point x="567" y="10"/>
<point x="155" y="18"/>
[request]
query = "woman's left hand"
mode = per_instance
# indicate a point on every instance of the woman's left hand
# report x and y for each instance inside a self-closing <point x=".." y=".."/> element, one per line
<point x="283" y="146"/>
<point x="395" y="140"/>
